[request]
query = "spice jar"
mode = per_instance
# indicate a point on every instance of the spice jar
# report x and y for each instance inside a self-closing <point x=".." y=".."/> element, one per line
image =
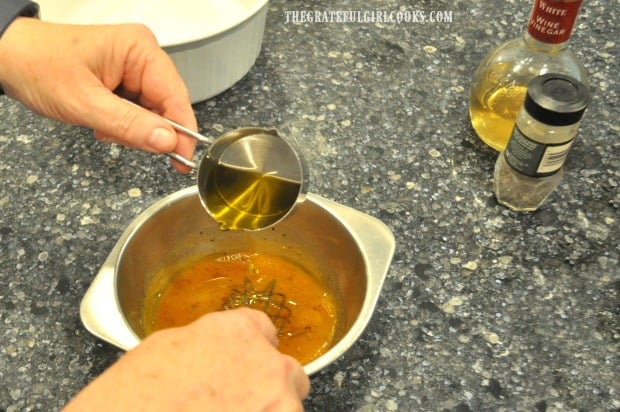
<point x="531" y="167"/>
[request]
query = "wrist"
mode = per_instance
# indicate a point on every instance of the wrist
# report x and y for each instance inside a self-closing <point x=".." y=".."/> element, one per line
<point x="11" y="10"/>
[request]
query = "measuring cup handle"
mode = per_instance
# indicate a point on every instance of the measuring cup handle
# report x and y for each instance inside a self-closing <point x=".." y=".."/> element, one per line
<point x="182" y="160"/>
<point x="201" y="138"/>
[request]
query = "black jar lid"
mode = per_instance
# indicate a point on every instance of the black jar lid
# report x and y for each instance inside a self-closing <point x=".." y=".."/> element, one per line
<point x="556" y="99"/>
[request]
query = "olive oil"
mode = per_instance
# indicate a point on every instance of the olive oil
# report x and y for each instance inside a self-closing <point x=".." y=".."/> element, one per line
<point x="242" y="199"/>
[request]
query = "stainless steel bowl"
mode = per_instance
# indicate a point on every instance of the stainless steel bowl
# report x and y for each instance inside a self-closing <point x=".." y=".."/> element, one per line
<point x="351" y="249"/>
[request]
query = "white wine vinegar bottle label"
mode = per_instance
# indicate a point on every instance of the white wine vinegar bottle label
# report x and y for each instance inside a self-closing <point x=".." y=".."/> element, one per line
<point x="552" y="21"/>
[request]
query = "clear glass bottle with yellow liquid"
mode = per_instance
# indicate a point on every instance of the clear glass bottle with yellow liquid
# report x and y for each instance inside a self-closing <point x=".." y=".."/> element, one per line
<point x="500" y="82"/>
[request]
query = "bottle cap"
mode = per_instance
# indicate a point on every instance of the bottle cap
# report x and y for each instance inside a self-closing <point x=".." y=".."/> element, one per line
<point x="556" y="99"/>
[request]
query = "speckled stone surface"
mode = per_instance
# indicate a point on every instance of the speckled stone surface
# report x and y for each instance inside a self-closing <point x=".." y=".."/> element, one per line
<point x="483" y="309"/>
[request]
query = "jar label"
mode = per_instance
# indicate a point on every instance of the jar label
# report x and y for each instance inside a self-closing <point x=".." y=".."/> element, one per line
<point x="552" y="21"/>
<point x="532" y="158"/>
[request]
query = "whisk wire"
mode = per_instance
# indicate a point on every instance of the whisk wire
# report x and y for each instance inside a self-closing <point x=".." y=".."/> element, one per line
<point x="270" y="302"/>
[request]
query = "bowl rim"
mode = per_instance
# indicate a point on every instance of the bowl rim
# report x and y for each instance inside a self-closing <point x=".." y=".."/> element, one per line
<point x="233" y="24"/>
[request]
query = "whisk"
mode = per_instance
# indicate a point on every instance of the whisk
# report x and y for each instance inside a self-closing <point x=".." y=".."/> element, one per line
<point x="270" y="302"/>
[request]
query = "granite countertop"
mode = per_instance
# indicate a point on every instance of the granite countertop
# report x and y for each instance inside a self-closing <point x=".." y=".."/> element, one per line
<point x="483" y="309"/>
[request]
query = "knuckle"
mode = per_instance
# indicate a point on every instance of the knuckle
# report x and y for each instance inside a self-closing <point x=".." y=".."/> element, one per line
<point x="284" y="367"/>
<point x="141" y="31"/>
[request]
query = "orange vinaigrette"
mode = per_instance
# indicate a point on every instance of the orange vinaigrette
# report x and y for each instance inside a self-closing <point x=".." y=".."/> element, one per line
<point x="205" y="284"/>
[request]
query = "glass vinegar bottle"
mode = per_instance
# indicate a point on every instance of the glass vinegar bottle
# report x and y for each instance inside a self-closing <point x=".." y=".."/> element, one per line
<point x="500" y="82"/>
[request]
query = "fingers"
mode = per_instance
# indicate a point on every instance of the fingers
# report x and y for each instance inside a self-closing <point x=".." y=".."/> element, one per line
<point x="291" y="369"/>
<point x="225" y="360"/>
<point x="301" y="381"/>
<point x="185" y="147"/>
<point x="152" y="79"/>
<point x="135" y="68"/>
<point x="79" y="86"/>
<point x="119" y="121"/>
<point x="247" y="318"/>
<point x="263" y="323"/>
<point x="179" y="110"/>
<point x="260" y="320"/>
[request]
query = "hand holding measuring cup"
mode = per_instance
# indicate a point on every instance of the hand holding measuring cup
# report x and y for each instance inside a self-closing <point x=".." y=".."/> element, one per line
<point x="249" y="178"/>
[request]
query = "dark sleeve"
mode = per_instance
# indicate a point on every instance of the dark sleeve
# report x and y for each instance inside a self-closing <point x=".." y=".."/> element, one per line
<point x="11" y="9"/>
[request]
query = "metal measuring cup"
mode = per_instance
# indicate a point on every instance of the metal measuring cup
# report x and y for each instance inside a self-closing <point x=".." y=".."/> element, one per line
<point x="248" y="179"/>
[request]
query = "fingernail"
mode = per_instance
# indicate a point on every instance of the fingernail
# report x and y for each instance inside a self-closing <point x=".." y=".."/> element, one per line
<point x="160" y="140"/>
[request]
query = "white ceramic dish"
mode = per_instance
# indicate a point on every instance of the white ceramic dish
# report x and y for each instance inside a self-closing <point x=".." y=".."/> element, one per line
<point x="214" y="43"/>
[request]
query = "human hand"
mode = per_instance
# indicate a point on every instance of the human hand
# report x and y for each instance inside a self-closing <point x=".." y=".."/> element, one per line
<point x="83" y="74"/>
<point x="225" y="361"/>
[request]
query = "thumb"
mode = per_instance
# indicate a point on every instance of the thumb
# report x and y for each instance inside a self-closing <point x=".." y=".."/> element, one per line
<point x="120" y="121"/>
